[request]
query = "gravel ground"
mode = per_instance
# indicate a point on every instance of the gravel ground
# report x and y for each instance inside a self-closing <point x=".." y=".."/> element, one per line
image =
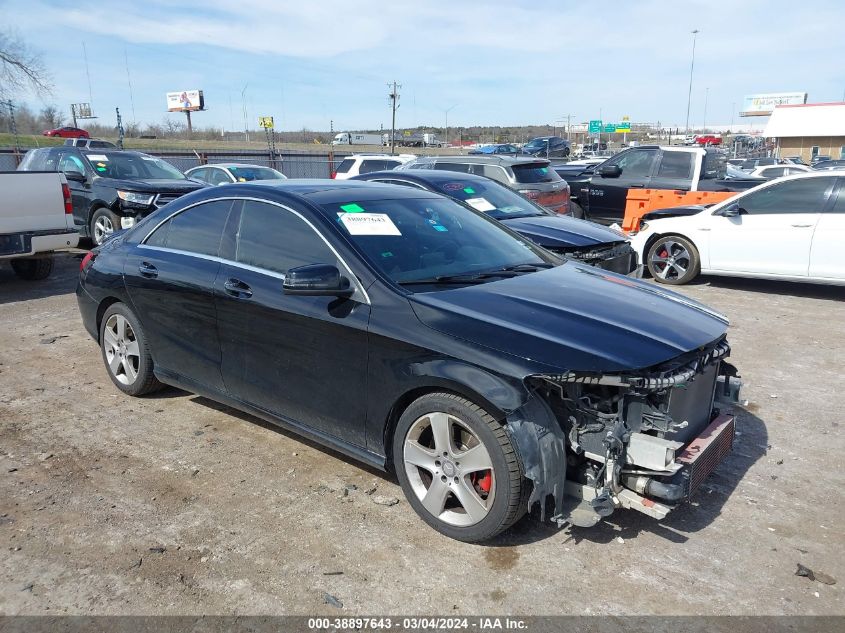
<point x="174" y="504"/>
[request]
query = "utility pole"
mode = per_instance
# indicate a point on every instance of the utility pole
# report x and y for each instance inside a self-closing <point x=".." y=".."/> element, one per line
<point x="120" y="132"/>
<point x="13" y="126"/>
<point x="243" y="107"/>
<point x="691" y="66"/>
<point x="447" y="122"/>
<point x="394" y="104"/>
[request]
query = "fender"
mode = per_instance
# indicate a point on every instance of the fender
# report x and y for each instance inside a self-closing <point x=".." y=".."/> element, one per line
<point x="541" y="445"/>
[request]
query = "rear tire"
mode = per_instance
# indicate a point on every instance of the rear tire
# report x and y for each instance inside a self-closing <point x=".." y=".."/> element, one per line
<point x="33" y="269"/>
<point x="458" y="468"/>
<point x="576" y="211"/>
<point x="126" y="353"/>
<point x="673" y="260"/>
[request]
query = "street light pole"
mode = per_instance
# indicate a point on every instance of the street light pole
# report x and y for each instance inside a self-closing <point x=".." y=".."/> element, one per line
<point x="243" y="106"/>
<point x="706" y="97"/>
<point x="691" y="66"/>
<point x="447" y="110"/>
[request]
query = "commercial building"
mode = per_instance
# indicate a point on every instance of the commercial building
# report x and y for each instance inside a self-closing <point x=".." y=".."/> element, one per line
<point x="808" y="130"/>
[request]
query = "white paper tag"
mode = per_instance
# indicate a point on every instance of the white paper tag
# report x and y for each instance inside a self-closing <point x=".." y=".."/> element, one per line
<point x="480" y="204"/>
<point x="98" y="157"/>
<point x="369" y="224"/>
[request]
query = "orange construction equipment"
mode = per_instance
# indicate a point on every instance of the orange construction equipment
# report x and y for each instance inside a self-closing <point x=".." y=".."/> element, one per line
<point x="641" y="201"/>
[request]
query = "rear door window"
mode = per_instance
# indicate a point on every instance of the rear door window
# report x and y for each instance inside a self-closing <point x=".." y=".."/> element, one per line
<point x="530" y="173"/>
<point x="196" y="230"/>
<point x="461" y="167"/>
<point x="676" y="165"/>
<point x="369" y="166"/>
<point x="795" y="196"/>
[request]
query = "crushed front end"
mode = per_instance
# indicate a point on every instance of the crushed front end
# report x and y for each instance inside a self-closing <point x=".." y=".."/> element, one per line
<point x="643" y="440"/>
<point x="618" y="258"/>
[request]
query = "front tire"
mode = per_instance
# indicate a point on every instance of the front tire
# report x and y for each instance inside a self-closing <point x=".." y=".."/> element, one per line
<point x="34" y="269"/>
<point x="126" y="353"/>
<point x="103" y="223"/>
<point x="457" y="468"/>
<point x="673" y="260"/>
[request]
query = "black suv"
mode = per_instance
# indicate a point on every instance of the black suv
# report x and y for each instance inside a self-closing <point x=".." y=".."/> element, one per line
<point x="111" y="189"/>
<point x="547" y="147"/>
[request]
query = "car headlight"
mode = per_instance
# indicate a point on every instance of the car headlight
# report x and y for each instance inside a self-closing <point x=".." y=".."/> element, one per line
<point x="136" y="198"/>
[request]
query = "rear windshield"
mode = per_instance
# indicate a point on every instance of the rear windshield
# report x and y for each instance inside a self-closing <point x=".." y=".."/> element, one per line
<point x="534" y="173"/>
<point x="714" y="166"/>
<point x="346" y="165"/>
<point x="247" y="174"/>
<point x="490" y="197"/>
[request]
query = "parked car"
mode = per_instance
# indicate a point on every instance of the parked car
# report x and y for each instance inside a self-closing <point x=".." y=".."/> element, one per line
<point x="794" y="160"/>
<point x="584" y="241"/>
<point x="792" y="228"/>
<point x="821" y="158"/>
<point x="91" y="143"/>
<point x="414" y="334"/>
<point x="365" y="163"/>
<point x="776" y="171"/>
<point x="499" y="148"/>
<point x="750" y="164"/>
<point x="829" y="164"/>
<point x="602" y="191"/>
<point x="227" y="173"/>
<point x="111" y="189"/>
<point x="532" y="177"/>
<point x="35" y="220"/>
<point x="547" y="147"/>
<point x="705" y="140"/>
<point x="67" y="132"/>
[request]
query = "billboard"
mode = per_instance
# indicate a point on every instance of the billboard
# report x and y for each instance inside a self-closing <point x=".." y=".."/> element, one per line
<point x="762" y="105"/>
<point x="82" y="110"/>
<point x="185" y="100"/>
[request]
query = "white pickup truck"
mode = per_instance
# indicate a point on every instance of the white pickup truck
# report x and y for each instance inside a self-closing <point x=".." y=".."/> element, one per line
<point x="36" y="218"/>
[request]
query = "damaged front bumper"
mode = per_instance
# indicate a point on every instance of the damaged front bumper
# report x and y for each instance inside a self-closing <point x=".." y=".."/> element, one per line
<point x="644" y="441"/>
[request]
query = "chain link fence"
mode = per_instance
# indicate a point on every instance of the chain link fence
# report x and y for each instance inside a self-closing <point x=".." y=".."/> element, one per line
<point x="291" y="164"/>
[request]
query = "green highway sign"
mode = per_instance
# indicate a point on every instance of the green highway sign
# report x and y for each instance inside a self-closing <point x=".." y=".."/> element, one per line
<point x="595" y="126"/>
<point x="610" y="127"/>
<point x="625" y="126"/>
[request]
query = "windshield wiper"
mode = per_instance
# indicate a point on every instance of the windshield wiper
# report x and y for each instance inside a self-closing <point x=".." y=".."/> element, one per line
<point x="481" y="277"/>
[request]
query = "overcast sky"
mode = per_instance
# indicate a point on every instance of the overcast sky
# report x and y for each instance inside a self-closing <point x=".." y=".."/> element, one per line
<point x="497" y="63"/>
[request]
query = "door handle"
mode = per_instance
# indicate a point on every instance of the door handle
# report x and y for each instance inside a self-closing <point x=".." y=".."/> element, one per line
<point x="801" y="226"/>
<point x="148" y="270"/>
<point x="636" y="186"/>
<point x="237" y="288"/>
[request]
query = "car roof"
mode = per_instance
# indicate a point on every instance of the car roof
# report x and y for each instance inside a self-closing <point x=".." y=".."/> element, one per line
<point x="229" y="165"/>
<point x="425" y="176"/>
<point x="495" y="160"/>
<point x="393" y="156"/>
<point x="324" y="191"/>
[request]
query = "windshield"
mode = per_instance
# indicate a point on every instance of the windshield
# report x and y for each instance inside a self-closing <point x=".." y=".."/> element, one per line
<point x="491" y="198"/>
<point x="132" y="166"/>
<point x="531" y="173"/>
<point x="416" y="239"/>
<point x="537" y="143"/>
<point x="246" y="174"/>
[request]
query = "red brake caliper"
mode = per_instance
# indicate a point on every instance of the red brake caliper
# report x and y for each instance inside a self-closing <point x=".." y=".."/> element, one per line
<point x="485" y="482"/>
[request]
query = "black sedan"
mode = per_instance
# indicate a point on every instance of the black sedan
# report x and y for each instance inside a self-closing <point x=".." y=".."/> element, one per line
<point x="414" y="334"/>
<point x="585" y="241"/>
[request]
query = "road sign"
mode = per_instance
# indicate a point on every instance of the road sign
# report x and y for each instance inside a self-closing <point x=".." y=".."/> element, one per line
<point x="625" y="126"/>
<point x="609" y="127"/>
<point x="265" y="122"/>
<point x="595" y="126"/>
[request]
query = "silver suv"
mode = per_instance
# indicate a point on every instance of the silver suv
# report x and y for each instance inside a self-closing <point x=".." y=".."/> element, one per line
<point x="534" y="178"/>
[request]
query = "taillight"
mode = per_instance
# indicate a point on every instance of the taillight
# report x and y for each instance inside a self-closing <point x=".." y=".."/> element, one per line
<point x="68" y="199"/>
<point x="530" y="194"/>
<point x="333" y="174"/>
<point x="89" y="257"/>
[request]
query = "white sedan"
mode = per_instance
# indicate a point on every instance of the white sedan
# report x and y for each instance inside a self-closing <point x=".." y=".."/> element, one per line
<point x="791" y="228"/>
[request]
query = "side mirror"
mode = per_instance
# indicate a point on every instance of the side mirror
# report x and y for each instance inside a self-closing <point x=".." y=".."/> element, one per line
<point x="318" y="280"/>
<point x="610" y="171"/>
<point x="75" y="176"/>
<point x="731" y="211"/>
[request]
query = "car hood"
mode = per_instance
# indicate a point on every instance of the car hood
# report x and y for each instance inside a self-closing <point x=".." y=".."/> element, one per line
<point x="574" y="318"/>
<point x="562" y="232"/>
<point x="161" y="185"/>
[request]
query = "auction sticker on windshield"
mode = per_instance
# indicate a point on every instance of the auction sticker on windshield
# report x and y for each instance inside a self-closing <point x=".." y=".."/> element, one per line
<point x="98" y="157"/>
<point x="480" y="204"/>
<point x="369" y="224"/>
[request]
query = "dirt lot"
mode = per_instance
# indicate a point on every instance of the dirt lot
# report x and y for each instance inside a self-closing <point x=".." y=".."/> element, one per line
<point x="173" y="504"/>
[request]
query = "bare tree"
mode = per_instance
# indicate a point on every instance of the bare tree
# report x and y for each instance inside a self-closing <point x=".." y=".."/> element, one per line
<point x="21" y="68"/>
<point x="52" y="116"/>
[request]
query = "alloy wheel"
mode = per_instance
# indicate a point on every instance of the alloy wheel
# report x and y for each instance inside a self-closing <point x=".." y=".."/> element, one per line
<point x="670" y="260"/>
<point x="103" y="227"/>
<point x="122" y="350"/>
<point x="449" y="469"/>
